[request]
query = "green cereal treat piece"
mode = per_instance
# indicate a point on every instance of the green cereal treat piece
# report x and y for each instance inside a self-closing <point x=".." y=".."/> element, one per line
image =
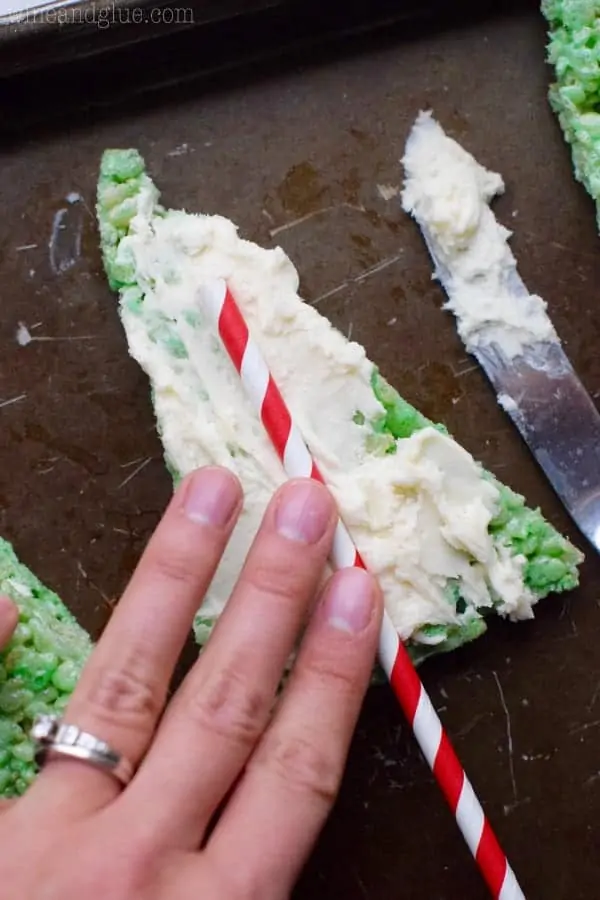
<point x="127" y="204"/>
<point x="38" y="669"/>
<point x="574" y="54"/>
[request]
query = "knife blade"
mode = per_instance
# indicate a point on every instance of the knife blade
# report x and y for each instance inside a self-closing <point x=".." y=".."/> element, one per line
<point x="555" y="415"/>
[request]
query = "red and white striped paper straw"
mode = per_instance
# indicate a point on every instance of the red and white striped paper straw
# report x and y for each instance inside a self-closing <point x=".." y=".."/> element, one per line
<point x="260" y="387"/>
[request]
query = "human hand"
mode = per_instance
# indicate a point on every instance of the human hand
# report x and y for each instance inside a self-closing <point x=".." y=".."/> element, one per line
<point x="222" y="744"/>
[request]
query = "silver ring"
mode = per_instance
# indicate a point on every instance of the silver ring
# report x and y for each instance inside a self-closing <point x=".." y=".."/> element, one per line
<point x="55" y="738"/>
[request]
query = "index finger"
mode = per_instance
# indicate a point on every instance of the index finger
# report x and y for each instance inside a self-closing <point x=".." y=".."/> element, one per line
<point x="123" y="688"/>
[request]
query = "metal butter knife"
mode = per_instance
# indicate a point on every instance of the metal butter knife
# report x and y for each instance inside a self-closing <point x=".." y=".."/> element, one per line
<point x="552" y="410"/>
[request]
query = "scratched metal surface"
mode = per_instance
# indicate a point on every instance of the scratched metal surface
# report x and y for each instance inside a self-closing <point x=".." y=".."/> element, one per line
<point x="295" y="157"/>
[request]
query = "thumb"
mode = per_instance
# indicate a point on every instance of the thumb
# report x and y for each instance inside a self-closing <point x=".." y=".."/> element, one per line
<point x="9" y="616"/>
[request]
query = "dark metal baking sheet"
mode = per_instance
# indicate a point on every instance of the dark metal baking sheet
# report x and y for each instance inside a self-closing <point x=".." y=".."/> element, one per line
<point x="111" y="73"/>
<point x="267" y="145"/>
<point x="62" y="31"/>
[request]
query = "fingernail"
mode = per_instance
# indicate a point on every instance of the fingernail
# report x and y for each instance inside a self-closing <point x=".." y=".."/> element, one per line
<point x="349" y="603"/>
<point x="9" y="616"/>
<point x="303" y="512"/>
<point x="8" y="609"/>
<point x="6" y="605"/>
<point x="212" y="497"/>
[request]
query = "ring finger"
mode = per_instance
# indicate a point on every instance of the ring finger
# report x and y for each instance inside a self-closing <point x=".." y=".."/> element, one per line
<point x="122" y="690"/>
<point x="290" y="784"/>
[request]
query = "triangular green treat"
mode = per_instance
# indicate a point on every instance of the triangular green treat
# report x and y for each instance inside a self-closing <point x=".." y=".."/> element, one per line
<point x="38" y="669"/>
<point x="574" y="54"/>
<point x="154" y="258"/>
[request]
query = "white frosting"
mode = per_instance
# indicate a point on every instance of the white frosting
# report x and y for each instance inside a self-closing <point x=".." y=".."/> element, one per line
<point x="419" y="516"/>
<point x="449" y="192"/>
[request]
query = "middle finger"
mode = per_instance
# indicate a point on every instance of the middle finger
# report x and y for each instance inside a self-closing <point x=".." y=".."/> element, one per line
<point x="221" y="710"/>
